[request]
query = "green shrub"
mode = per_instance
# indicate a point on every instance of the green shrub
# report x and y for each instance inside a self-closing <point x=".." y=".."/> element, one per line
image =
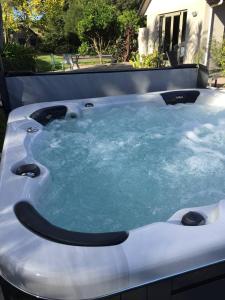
<point x="18" y="58"/>
<point x="117" y="50"/>
<point x="218" y="54"/>
<point x="153" y="60"/>
<point x="85" y="49"/>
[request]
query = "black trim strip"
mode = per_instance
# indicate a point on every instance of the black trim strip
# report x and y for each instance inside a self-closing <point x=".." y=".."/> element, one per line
<point x="84" y="71"/>
<point x="4" y="94"/>
<point x="47" y="114"/>
<point x="32" y="220"/>
<point x="203" y="77"/>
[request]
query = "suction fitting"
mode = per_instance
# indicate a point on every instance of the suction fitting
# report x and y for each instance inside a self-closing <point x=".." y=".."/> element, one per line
<point x="73" y="115"/>
<point x="193" y="218"/>
<point x="89" y="105"/>
<point x="29" y="170"/>
<point x="32" y="130"/>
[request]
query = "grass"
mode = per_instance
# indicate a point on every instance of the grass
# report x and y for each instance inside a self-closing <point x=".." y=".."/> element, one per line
<point x="2" y="127"/>
<point x="44" y="64"/>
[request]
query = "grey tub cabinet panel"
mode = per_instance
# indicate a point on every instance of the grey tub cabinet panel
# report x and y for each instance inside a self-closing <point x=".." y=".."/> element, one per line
<point x="213" y="290"/>
<point x="140" y="293"/>
<point x="160" y="290"/>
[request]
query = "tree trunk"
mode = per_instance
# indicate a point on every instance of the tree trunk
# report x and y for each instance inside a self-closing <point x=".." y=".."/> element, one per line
<point x="100" y="58"/>
<point x="98" y="48"/>
<point x="127" y="45"/>
<point x="1" y="29"/>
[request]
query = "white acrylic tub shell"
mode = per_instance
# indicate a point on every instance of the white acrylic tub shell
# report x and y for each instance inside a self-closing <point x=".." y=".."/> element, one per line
<point x="51" y="270"/>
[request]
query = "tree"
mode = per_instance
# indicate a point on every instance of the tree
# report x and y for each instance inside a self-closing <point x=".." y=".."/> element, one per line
<point x="129" y="22"/>
<point x="73" y="15"/>
<point x="127" y="4"/>
<point x="52" y="25"/>
<point x="1" y="28"/>
<point x="53" y="34"/>
<point x="9" y="22"/>
<point x="26" y="14"/>
<point x="66" y="23"/>
<point x="99" y="25"/>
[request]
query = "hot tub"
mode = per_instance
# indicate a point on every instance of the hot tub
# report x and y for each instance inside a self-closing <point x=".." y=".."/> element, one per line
<point x="99" y="255"/>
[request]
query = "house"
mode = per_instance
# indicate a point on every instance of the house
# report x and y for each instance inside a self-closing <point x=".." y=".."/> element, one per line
<point x="183" y="27"/>
<point x="24" y="36"/>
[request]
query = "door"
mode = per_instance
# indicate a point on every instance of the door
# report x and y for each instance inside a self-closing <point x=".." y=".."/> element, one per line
<point x="172" y="31"/>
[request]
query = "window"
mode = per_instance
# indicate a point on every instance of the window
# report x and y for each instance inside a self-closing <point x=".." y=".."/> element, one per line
<point x="172" y="30"/>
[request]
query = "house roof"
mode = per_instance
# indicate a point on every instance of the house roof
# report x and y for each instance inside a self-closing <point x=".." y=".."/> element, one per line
<point x="145" y="4"/>
<point x="214" y="2"/>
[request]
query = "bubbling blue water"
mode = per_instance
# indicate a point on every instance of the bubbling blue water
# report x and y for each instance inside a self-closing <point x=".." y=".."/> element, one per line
<point x="118" y="168"/>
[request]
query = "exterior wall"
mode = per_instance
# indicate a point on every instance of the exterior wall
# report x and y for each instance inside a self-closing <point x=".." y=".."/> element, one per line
<point x="197" y="27"/>
<point x="143" y="41"/>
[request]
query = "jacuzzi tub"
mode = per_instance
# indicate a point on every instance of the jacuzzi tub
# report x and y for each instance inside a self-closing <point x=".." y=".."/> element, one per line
<point x="49" y="262"/>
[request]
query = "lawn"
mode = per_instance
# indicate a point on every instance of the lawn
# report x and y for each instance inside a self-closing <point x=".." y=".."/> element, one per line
<point x="44" y="63"/>
<point x="2" y="127"/>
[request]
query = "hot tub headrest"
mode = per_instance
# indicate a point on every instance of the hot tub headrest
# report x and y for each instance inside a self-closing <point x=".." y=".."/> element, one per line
<point x="32" y="220"/>
<point x="176" y="97"/>
<point x="48" y="114"/>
